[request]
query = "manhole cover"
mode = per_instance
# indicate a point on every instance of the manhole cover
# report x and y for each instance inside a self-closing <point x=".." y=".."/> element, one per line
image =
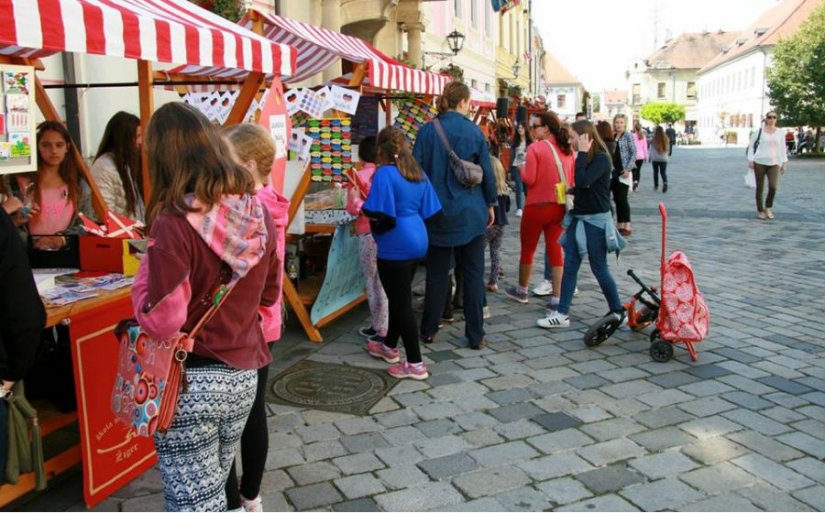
<point x="330" y="387"/>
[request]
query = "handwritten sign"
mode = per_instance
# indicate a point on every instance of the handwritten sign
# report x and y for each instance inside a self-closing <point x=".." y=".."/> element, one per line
<point x="344" y="281"/>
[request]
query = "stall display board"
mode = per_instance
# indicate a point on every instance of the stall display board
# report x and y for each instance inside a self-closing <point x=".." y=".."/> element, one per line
<point x="17" y="119"/>
<point x="365" y="120"/>
<point x="331" y="151"/>
<point x="411" y="115"/>
<point x="216" y="105"/>
<point x="344" y="281"/>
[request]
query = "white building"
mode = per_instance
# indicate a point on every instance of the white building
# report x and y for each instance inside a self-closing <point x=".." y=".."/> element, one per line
<point x="612" y="102"/>
<point x="733" y="90"/>
<point x="563" y="91"/>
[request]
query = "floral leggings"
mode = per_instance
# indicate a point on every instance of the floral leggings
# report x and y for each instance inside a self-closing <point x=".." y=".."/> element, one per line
<point x="495" y="235"/>
<point x="376" y="297"/>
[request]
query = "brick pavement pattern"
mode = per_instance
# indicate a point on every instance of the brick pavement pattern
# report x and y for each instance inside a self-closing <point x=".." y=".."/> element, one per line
<point x="538" y="421"/>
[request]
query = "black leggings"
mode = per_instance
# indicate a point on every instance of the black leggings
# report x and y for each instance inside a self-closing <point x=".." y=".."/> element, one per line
<point x="659" y="168"/>
<point x="396" y="278"/>
<point x="620" y="192"/>
<point x="254" y="447"/>
<point x="637" y="171"/>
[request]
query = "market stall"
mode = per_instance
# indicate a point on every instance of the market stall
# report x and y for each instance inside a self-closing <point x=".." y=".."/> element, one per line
<point x="166" y="31"/>
<point x="374" y="75"/>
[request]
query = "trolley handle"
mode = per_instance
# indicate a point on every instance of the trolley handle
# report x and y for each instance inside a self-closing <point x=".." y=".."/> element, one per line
<point x="663" y="212"/>
<point x="645" y="288"/>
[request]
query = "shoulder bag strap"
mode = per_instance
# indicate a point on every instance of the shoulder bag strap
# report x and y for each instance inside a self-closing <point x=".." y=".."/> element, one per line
<point x="441" y="135"/>
<point x="562" y="176"/>
<point x="217" y="300"/>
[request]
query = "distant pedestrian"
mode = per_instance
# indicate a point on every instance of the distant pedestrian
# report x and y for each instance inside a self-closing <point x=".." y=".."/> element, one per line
<point x="640" y="138"/>
<point x="495" y="233"/>
<point x="521" y="141"/>
<point x="659" y="151"/>
<point x="767" y="156"/>
<point x="624" y="158"/>
<point x="671" y="135"/>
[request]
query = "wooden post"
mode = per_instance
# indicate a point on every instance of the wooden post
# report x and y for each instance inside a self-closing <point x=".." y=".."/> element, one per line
<point x="147" y="107"/>
<point x="250" y="87"/>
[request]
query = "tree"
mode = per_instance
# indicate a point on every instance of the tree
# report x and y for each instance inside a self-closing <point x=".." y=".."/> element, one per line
<point x="663" y="112"/>
<point x="230" y="9"/>
<point x="796" y="83"/>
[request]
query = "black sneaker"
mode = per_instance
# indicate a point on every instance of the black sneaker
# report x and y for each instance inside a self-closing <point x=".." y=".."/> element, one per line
<point x="378" y="339"/>
<point x="368" y="332"/>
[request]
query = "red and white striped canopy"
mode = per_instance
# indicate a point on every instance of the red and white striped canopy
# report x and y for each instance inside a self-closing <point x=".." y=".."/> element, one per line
<point x="168" y="31"/>
<point x="318" y="48"/>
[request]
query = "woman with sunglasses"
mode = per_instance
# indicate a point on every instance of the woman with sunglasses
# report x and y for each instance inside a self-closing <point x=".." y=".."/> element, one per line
<point x="767" y="156"/>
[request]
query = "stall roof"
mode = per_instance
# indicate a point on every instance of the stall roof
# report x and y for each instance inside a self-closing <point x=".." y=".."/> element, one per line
<point x="319" y="47"/>
<point x="168" y="31"/>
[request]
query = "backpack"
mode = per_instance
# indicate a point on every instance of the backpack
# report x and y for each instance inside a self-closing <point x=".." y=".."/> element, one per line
<point x="684" y="315"/>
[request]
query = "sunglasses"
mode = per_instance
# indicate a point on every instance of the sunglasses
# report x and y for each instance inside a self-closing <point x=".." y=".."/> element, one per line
<point x="770" y="117"/>
<point x="535" y="126"/>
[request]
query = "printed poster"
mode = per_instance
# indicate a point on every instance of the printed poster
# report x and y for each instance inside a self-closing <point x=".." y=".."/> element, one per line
<point x="345" y="100"/>
<point x="344" y="281"/>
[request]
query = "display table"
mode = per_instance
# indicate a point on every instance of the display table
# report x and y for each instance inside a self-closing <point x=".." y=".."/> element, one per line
<point x="111" y="456"/>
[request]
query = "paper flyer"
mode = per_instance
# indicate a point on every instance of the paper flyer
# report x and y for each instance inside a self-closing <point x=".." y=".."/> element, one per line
<point x="311" y="103"/>
<point x="345" y="100"/>
<point x="278" y="132"/>
<point x="293" y="101"/>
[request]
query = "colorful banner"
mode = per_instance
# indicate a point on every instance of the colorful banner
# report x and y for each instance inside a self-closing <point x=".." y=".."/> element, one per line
<point x="344" y="281"/>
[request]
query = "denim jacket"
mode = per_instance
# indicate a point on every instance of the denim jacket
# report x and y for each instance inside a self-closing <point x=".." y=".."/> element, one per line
<point x="627" y="149"/>
<point x="613" y="239"/>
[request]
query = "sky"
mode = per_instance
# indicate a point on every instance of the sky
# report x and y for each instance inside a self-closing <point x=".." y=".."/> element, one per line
<point x="584" y="35"/>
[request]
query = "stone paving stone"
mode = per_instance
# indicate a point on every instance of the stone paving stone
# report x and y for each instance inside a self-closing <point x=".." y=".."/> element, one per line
<point x="656" y="440"/>
<point x="503" y="454"/>
<point x="276" y="481"/>
<point x="313" y="496"/>
<point x="810" y="381"/>
<point x="457" y="391"/>
<point x="709" y="427"/>
<point x="402" y="476"/>
<point x="476" y="403"/>
<point x="589" y="413"/>
<point x="771" y="499"/>
<point x="428" y="496"/>
<point x="513" y="412"/>
<point x="556" y="421"/>
<point x="314" y="417"/>
<point x="756" y="422"/>
<point x="392" y="419"/>
<point x="815" y="397"/>
<point x="508" y="382"/>
<point x="442" y="446"/>
<point x="661" y="417"/>
<point x="804" y="443"/>
<point x="813" y="496"/>
<point x="413" y="399"/>
<point x="663" y="494"/>
<point x="713" y="450"/>
<point x="623" y="374"/>
<point x="708" y="371"/>
<point x="772" y="472"/>
<point x="711" y="387"/>
<point x="402" y="435"/>
<point x="284" y="440"/>
<point x="475" y="420"/>
<point x="728" y="502"/>
<point x="611" y="451"/>
<point x="356" y="505"/>
<point x="555" y="465"/>
<point x="520" y="429"/>
<point x="633" y="388"/>
<point x="663" y="464"/>
<point x="438" y="428"/>
<point x="613" y="428"/>
<point x="364" y="442"/>
<point x="523" y="499"/>
<point x="400" y="455"/>
<point x="768" y="447"/>
<point x="720" y="478"/>
<point x="563" y="490"/>
<point x="323" y="450"/>
<point x="706" y="406"/>
<point x="783" y="415"/>
<point x="313" y="473"/>
<point x="603" y="503"/>
<point x="436" y="410"/>
<point x="747" y="385"/>
<point x="810" y="426"/>
<point x="735" y="354"/>
<point x="664" y="398"/>
<point x="280" y="458"/>
<point x="317" y="433"/>
<point x="815" y="412"/>
<point x="358" y="463"/>
<point x="483" y="504"/>
<point x="746" y="400"/>
<point x="513" y="395"/>
<point x="609" y="479"/>
<point x="810" y="467"/>
<point x="563" y="440"/>
<point x="152" y="502"/>
<point x="361" y="485"/>
<point x="482" y="437"/>
<point x="447" y="466"/>
<point x="586" y="381"/>
<point x="490" y="481"/>
<point x="440" y="356"/>
<point x="743" y="370"/>
<point x="625" y="407"/>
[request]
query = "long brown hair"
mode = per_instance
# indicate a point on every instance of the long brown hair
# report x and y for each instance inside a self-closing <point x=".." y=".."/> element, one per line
<point x="394" y="148"/>
<point x="119" y="140"/>
<point x="605" y="131"/>
<point x="554" y="125"/>
<point x="454" y="92"/>
<point x="187" y="155"/>
<point x="582" y="127"/>
<point x="68" y="170"/>
<point x="637" y="128"/>
<point x="661" y="141"/>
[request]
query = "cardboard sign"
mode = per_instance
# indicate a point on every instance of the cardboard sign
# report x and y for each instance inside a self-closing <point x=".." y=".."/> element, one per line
<point x="344" y="281"/>
<point x="277" y="123"/>
<point x="345" y="100"/>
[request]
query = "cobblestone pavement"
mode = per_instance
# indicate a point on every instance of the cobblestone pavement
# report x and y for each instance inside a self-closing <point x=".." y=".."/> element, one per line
<point x="538" y="421"/>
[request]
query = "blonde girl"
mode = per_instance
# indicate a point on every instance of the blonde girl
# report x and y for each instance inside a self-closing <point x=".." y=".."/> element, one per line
<point x="495" y="233"/>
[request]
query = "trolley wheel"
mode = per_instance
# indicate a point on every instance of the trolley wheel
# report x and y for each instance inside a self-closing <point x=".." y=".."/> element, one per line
<point x="601" y="331"/>
<point x="661" y="351"/>
<point x="654" y="336"/>
<point x="644" y="317"/>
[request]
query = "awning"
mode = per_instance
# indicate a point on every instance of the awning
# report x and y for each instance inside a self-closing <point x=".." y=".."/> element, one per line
<point x="168" y="31"/>
<point x="318" y="48"/>
<point x="480" y="98"/>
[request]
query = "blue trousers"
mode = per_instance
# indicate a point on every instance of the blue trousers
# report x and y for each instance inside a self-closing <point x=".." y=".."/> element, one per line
<point x="521" y="190"/>
<point x="597" y="255"/>
<point x="471" y="268"/>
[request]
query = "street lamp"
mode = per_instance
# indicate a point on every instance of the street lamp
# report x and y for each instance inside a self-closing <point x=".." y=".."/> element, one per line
<point x="455" y="40"/>
<point x="516" y="68"/>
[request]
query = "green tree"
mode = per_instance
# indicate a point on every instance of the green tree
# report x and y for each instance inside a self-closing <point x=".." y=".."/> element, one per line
<point x="796" y="83"/>
<point x="663" y="112"/>
<point x="230" y="9"/>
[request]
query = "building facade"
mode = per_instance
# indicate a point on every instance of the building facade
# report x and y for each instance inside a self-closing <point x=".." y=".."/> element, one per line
<point x="564" y="93"/>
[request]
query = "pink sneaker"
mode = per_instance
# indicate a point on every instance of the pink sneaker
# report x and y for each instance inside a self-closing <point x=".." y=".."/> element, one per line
<point x="255" y="504"/>
<point x="409" y="370"/>
<point x="379" y="350"/>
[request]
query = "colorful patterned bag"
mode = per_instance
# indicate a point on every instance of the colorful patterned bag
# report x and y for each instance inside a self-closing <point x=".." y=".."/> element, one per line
<point x="151" y="373"/>
<point x="684" y="316"/>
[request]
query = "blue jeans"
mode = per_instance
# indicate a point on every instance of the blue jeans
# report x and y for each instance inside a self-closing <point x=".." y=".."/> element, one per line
<point x="597" y="255"/>
<point x="548" y="275"/>
<point x="521" y="191"/>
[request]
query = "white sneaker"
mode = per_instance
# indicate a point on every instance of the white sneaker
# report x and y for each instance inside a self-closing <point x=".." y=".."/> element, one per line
<point x="554" y="319"/>
<point x="485" y="312"/>
<point x="255" y="504"/>
<point x="518" y="212"/>
<point x="544" y="288"/>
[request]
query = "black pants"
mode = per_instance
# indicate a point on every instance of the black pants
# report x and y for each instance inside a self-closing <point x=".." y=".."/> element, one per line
<point x="254" y="447"/>
<point x="659" y="168"/>
<point x="469" y="260"/>
<point x="637" y="172"/>
<point x="396" y="278"/>
<point x="620" y="192"/>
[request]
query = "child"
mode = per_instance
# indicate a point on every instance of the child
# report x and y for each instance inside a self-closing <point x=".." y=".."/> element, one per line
<point x="256" y="151"/>
<point x="400" y="200"/>
<point x="367" y="249"/>
<point x="495" y="233"/>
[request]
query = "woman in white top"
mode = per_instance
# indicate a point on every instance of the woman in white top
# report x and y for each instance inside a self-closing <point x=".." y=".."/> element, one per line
<point x="117" y="166"/>
<point x="767" y="155"/>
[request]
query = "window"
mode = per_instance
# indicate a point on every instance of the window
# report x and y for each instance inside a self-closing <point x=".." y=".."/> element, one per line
<point x="474" y="13"/>
<point x="691" y="90"/>
<point x="750" y="120"/>
<point x="661" y="90"/>
<point x="487" y="87"/>
<point x="561" y="100"/>
<point x="488" y="20"/>
<point x="474" y="84"/>
<point x="457" y="8"/>
<point x="637" y="96"/>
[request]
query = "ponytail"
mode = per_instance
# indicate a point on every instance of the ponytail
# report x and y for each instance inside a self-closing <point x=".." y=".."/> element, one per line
<point x="394" y="148"/>
<point x="554" y="125"/>
<point x="453" y="93"/>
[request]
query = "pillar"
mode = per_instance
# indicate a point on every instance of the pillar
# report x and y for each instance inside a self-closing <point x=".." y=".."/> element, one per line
<point x="414" y="54"/>
<point x="331" y="20"/>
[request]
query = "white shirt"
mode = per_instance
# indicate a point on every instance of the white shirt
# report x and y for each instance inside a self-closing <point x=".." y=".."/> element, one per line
<point x="771" y="151"/>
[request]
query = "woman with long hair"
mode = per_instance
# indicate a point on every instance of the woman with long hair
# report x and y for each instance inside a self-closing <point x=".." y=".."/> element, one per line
<point x="640" y="140"/>
<point x="401" y="199"/>
<point x="207" y="231"/>
<point x="117" y="166"/>
<point x="767" y="156"/>
<point x="589" y="230"/>
<point x="624" y="159"/>
<point x="521" y="140"/>
<point x="659" y="155"/>
<point x="548" y="158"/>
<point x="459" y="235"/>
